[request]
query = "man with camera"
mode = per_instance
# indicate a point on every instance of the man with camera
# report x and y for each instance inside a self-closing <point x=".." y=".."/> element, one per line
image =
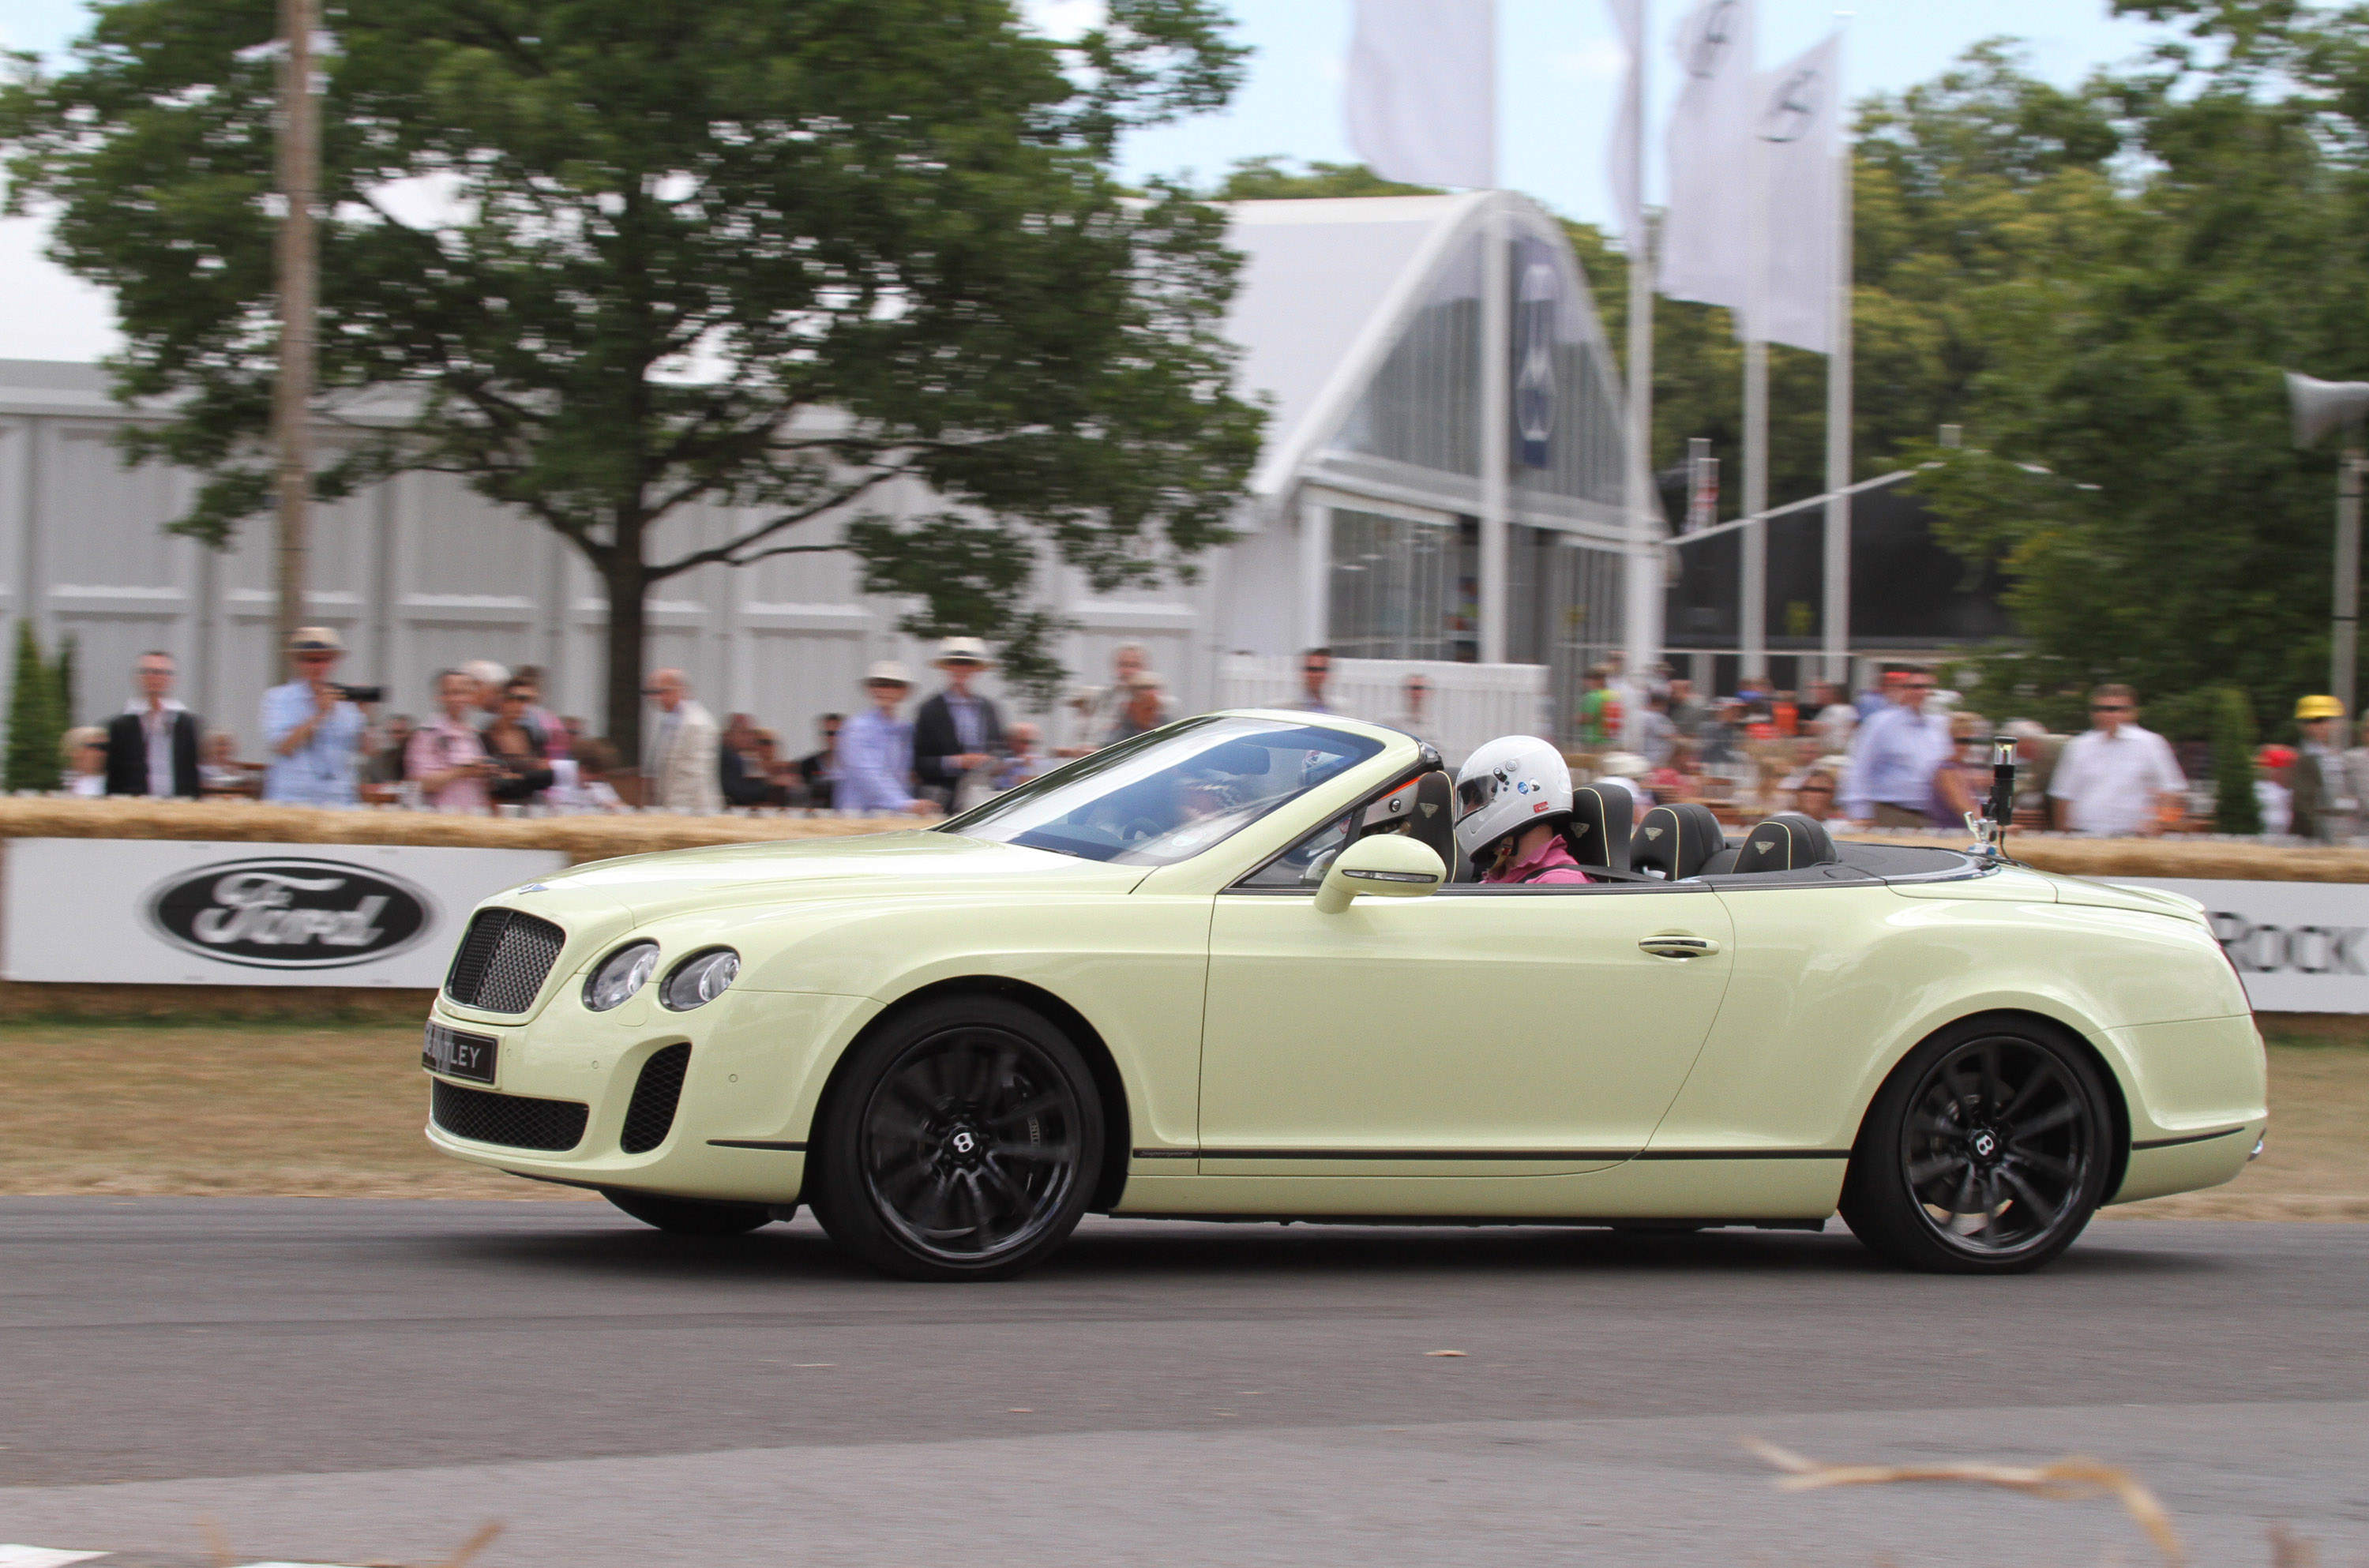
<point x="312" y="726"/>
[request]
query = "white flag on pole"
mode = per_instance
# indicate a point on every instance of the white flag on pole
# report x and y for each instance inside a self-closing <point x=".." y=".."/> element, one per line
<point x="1707" y="251"/>
<point x="1798" y="139"/>
<point x="1628" y="125"/>
<point x="1422" y="91"/>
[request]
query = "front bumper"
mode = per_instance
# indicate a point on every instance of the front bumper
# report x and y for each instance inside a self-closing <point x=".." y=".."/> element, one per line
<point x="756" y="1067"/>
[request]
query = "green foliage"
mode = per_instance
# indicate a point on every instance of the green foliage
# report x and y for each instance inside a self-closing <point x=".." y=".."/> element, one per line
<point x="2234" y="808"/>
<point x="1266" y="179"/>
<point x="2128" y="461"/>
<point x="36" y="722"/>
<point x="776" y="257"/>
<point x="63" y="673"/>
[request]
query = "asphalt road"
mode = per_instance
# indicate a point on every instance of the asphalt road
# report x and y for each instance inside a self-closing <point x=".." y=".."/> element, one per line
<point x="352" y="1381"/>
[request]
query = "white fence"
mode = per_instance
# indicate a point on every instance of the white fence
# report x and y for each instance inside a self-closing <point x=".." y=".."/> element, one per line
<point x="1470" y="702"/>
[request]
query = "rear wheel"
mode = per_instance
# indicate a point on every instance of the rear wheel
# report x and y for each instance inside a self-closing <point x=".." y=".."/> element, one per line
<point x="690" y="1216"/>
<point x="1985" y="1152"/>
<point x="961" y="1144"/>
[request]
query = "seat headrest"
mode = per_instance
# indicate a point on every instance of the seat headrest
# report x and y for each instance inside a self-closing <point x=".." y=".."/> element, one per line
<point x="1675" y="840"/>
<point x="1599" y="830"/>
<point x="1434" y="821"/>
<point x="1787" y="842"/>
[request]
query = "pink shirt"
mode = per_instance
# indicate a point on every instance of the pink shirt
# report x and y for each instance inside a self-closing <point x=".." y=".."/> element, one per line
<point x="1549" y="864"/>
<point x="441" y="745"/>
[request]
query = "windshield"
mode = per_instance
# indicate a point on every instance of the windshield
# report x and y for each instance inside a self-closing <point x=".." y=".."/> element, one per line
<point x="1167" y="795"/>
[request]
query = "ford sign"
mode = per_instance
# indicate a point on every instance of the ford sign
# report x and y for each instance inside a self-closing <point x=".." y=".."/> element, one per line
<point x="289" y="913"/>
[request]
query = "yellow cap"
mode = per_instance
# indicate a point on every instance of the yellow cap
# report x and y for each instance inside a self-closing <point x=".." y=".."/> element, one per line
<point x="2309" y="708"/>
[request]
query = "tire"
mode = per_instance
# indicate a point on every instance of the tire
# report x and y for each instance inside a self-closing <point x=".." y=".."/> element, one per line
<point x="1985" y="1152"/>
<point x="961" y="1142"/>
<point x="690" y="1216"/>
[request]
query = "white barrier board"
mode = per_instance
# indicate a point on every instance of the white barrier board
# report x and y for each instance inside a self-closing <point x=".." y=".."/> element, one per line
<point x="159" y="911"/>
<point x="2301" y="947"/>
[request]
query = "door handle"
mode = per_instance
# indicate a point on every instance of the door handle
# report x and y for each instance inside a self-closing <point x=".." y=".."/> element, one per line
<point x="1674" y="945"/>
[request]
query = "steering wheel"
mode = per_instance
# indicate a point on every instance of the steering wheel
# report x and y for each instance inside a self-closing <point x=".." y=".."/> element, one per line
<point x="1140" y="827"/>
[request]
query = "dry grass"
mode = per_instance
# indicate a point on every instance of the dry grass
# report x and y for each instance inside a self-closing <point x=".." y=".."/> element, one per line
<point x="257" y="1110"/>
<point x="2313" y="1165"/>
<point x="260" y="1109"/>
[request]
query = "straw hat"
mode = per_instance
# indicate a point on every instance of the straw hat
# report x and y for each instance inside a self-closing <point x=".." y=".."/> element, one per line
<point x="316" y="639"/>
<point x="1622" y="766"/>
<point x="888" y="671"/>
<point x="2309" y="708"/>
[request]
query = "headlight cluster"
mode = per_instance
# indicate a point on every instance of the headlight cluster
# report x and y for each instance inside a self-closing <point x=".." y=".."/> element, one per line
<point x="694" y="983"/>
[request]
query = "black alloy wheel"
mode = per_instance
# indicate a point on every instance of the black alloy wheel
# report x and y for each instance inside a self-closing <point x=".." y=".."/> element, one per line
<point x="962" y="1143"/>
<point x="690" y="1216"/>
<point x="1985" y="1152"/>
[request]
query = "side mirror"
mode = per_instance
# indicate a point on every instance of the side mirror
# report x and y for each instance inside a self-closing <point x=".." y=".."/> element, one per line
<point x="1388" y="866"/>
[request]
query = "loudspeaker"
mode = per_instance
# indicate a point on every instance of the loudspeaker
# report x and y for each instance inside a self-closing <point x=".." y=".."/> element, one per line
<point x="2321" y="406"/>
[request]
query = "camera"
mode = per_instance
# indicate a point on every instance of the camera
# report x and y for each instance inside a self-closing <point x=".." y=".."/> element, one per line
<point x="362" y="694"/>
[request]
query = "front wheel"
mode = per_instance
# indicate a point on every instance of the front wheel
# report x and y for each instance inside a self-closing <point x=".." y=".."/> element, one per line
<point x="1985" y="1152"/>
<point x="962" y="1143"/>
<point x="690" y="1216"/>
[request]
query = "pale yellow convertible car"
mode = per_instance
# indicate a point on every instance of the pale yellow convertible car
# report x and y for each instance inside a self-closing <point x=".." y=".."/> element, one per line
<point x="1227" y="970"/>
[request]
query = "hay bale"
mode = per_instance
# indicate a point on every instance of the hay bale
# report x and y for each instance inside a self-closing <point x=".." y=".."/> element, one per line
<point x="241" y="821"/>
<point x="2211" y="860"/>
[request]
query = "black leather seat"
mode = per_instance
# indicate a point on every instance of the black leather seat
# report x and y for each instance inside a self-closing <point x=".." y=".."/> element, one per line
<point x="1675" y="840"/>
<point x="1599" y="830"/>
<point x="1787" y="842"/>
<point x="1434" y="821"/>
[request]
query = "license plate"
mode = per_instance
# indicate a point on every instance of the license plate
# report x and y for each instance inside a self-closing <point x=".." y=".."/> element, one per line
<point x="456" y="1055"/>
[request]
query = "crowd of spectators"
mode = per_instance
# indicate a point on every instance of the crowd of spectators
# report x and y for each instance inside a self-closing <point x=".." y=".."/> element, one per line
<point x="1902" y="754"/>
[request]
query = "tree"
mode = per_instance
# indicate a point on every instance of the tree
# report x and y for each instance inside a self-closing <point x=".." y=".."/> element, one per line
<point x="2235" y="807"/>
<point x="35" y="723"/>
<point x="63" y="672"/>
<point x="2128" y="461"/>
<point x="606" y="259"/>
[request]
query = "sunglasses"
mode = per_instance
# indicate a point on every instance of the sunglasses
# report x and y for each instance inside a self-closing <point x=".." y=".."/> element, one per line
<point x="2110" y="707"/>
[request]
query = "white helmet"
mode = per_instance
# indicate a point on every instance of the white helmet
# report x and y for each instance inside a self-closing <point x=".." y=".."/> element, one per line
<point x="1506" y="786"/>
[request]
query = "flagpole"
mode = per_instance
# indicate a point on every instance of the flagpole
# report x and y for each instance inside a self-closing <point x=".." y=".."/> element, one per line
<point x="1645" y="580"/>
<point x="1837" y="590"/>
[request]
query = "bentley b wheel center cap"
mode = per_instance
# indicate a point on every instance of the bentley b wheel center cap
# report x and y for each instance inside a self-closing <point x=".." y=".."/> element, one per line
<point x="1985" y="1144"/>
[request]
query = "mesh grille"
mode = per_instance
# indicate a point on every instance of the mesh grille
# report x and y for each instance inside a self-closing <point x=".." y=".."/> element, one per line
<point x="651" y="1114"/>
<point x="503" y="961"/>
<point x="512" y="1120"/>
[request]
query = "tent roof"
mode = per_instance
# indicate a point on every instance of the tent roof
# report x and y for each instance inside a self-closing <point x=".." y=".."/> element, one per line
<point x="1325" y="286"/>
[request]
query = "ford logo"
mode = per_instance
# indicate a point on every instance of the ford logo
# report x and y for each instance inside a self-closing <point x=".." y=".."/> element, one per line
<point x="289" y="913"/>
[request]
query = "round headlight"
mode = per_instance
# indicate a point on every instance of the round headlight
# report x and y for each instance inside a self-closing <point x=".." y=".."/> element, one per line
<point x="620" y="974"/>
<point x="700" y="978"/>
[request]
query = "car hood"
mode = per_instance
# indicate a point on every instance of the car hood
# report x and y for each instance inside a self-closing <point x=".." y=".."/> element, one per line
<point x="652" y="885"/>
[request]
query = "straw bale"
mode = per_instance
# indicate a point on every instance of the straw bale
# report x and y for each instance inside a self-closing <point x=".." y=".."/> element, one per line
<point x="240" y="821"/>
<point x="2212" y="860"/>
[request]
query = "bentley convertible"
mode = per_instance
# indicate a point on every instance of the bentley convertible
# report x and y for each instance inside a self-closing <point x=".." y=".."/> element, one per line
<point x="1233" y="969"/>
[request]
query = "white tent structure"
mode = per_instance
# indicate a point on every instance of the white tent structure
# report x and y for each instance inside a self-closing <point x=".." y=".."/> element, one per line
<point x="1441" y="489"/>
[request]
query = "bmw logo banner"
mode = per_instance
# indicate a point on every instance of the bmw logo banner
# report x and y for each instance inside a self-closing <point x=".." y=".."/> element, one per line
<point x="145" y="912"/>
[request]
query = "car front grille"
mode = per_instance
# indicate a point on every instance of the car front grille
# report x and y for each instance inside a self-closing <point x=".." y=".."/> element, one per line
<point x="503" y="961"/>
<point x="515" y="1121"/>
<point x="650" y="1115"/>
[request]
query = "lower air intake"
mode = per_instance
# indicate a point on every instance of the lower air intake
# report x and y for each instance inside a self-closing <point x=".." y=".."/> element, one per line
<point x="650" y="1115"/>
<point x="514" y="1121"/>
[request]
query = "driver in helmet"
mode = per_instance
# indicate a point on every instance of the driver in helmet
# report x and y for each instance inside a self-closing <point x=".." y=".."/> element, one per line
<point x="1512" y="798"/>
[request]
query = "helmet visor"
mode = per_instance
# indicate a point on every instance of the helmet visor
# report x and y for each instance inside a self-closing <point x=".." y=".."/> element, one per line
<point x="1473" y="793"/>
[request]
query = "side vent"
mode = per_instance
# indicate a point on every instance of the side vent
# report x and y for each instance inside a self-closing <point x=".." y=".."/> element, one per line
<point x="649" y="1116"/>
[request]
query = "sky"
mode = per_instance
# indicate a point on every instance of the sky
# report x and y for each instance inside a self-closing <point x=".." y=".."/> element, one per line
<point x="1559" y="67"/>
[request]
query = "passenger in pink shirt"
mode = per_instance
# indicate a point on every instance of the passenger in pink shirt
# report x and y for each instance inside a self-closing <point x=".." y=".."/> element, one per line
<point x="445" y="758"/>
<point x="1513" y="800"/>
<point x="1538" y="855"/>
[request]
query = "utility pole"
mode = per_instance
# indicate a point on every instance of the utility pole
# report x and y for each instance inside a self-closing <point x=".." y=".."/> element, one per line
<point x="2343" y="641"/>
<point x="1835" y="625"/>
<point x="299" y="169"/>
